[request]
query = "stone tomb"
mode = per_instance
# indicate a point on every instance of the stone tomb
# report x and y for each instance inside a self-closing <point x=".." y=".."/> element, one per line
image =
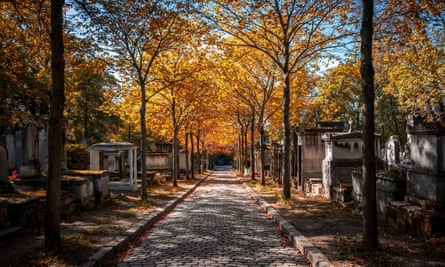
<point x="309" y="154"/>
<point x="110" y="157"/>
<point x="343" y="158"/>
<point x="99" y="180"/>
<point x="343" y="155"/>
<point x="426" y="177"/>
<point x="159" y="161"/>
<point x="423" y="210"/>
<point x="309" y="158"/>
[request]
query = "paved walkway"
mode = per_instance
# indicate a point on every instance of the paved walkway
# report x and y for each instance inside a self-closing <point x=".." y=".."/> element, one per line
<point x="217" y="226"/>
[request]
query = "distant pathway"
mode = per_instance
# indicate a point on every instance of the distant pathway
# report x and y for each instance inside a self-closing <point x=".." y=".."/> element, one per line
<point x="217" y="226"/>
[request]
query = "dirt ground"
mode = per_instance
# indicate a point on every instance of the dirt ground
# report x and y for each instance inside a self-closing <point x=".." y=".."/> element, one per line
<point x="337" y="231"/>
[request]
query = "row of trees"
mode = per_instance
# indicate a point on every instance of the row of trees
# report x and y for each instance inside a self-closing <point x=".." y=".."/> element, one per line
<point x="224" y="71"/>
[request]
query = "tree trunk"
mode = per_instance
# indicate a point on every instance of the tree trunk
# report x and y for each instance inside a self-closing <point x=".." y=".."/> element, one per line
<point x="243" y="156"/>
<point x="370" y="239"/>
<point x="286" y="123"/>
<point x="246" y="158"/>
<point x="240" y="153"/>
<point x="56" y="129"/>
<point x="252" y="144"/>
<point x="198" y="150"/>
<point x="393" y="115"/>
<point x="85" y="122"/>
<point x="187" y="156"/>
<point x="192" y="155"/>
<point x="143" y="143"/>
<point x="175" y="142"/>
<point x="175" y="159"/>
<point x="262" y="156"/>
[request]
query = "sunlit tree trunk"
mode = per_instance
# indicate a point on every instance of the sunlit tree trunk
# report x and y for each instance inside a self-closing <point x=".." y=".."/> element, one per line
<point x="143" y="143"/>
<point x="286" y="123"/>
<point x="175" y="166"/>
<point x="246" y="158"/>
<point x="262" y="156"/>
<point x="198" y="150"/>
<point x="370" y="239"/>
<point x="192" y="155"/>
<point x="56" y="129"/>
<point x="187" y="156"/>
<point x="252" y="144"/>
<point x="242" y="158"/>
<point x="240" y="154"/>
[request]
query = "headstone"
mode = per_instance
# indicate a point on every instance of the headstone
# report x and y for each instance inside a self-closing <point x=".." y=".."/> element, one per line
<point x="18" y="148"/>
<point x="10" y="147"/>
<point x="3" y="164"/>
<point x="26" y="145"/>
<point x="43" y="150"/>
<point x="31" y="143"/>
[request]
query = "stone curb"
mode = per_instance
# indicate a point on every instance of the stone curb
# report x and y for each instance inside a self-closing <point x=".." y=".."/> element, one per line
<point x="312" y="253"/>
<point x="119" y="244"/>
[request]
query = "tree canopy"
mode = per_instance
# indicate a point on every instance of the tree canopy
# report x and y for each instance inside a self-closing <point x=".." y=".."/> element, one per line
<point x="147" y="70"/>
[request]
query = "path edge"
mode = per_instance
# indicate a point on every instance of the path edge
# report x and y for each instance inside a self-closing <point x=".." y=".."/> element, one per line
<point x="311" y="252"/>
<point x="121" y="242"/>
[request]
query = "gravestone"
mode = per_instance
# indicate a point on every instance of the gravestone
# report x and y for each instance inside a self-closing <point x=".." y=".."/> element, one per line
<point x="18" y="147"/>
<point x="43" y="149"/>
<point x="276" y="166"/>
<point x="26" y="145"/>
<point x="10" y="147"/>
<point x="3" y="164"/>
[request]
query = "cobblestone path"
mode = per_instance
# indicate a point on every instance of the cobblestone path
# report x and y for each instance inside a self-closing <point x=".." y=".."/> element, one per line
<point x="217" y="226"/>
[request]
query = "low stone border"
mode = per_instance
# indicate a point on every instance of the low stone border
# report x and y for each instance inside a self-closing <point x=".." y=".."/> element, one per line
<point x="312" y="253"/>
<point x="121" y="242"/>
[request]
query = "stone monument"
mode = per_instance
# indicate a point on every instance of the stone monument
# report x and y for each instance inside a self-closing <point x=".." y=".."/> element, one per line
<point x="426" y="142"/>
<point x="424" y="205"/>
<point x="393" y="150"/>
<point x="3" y="164"/>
